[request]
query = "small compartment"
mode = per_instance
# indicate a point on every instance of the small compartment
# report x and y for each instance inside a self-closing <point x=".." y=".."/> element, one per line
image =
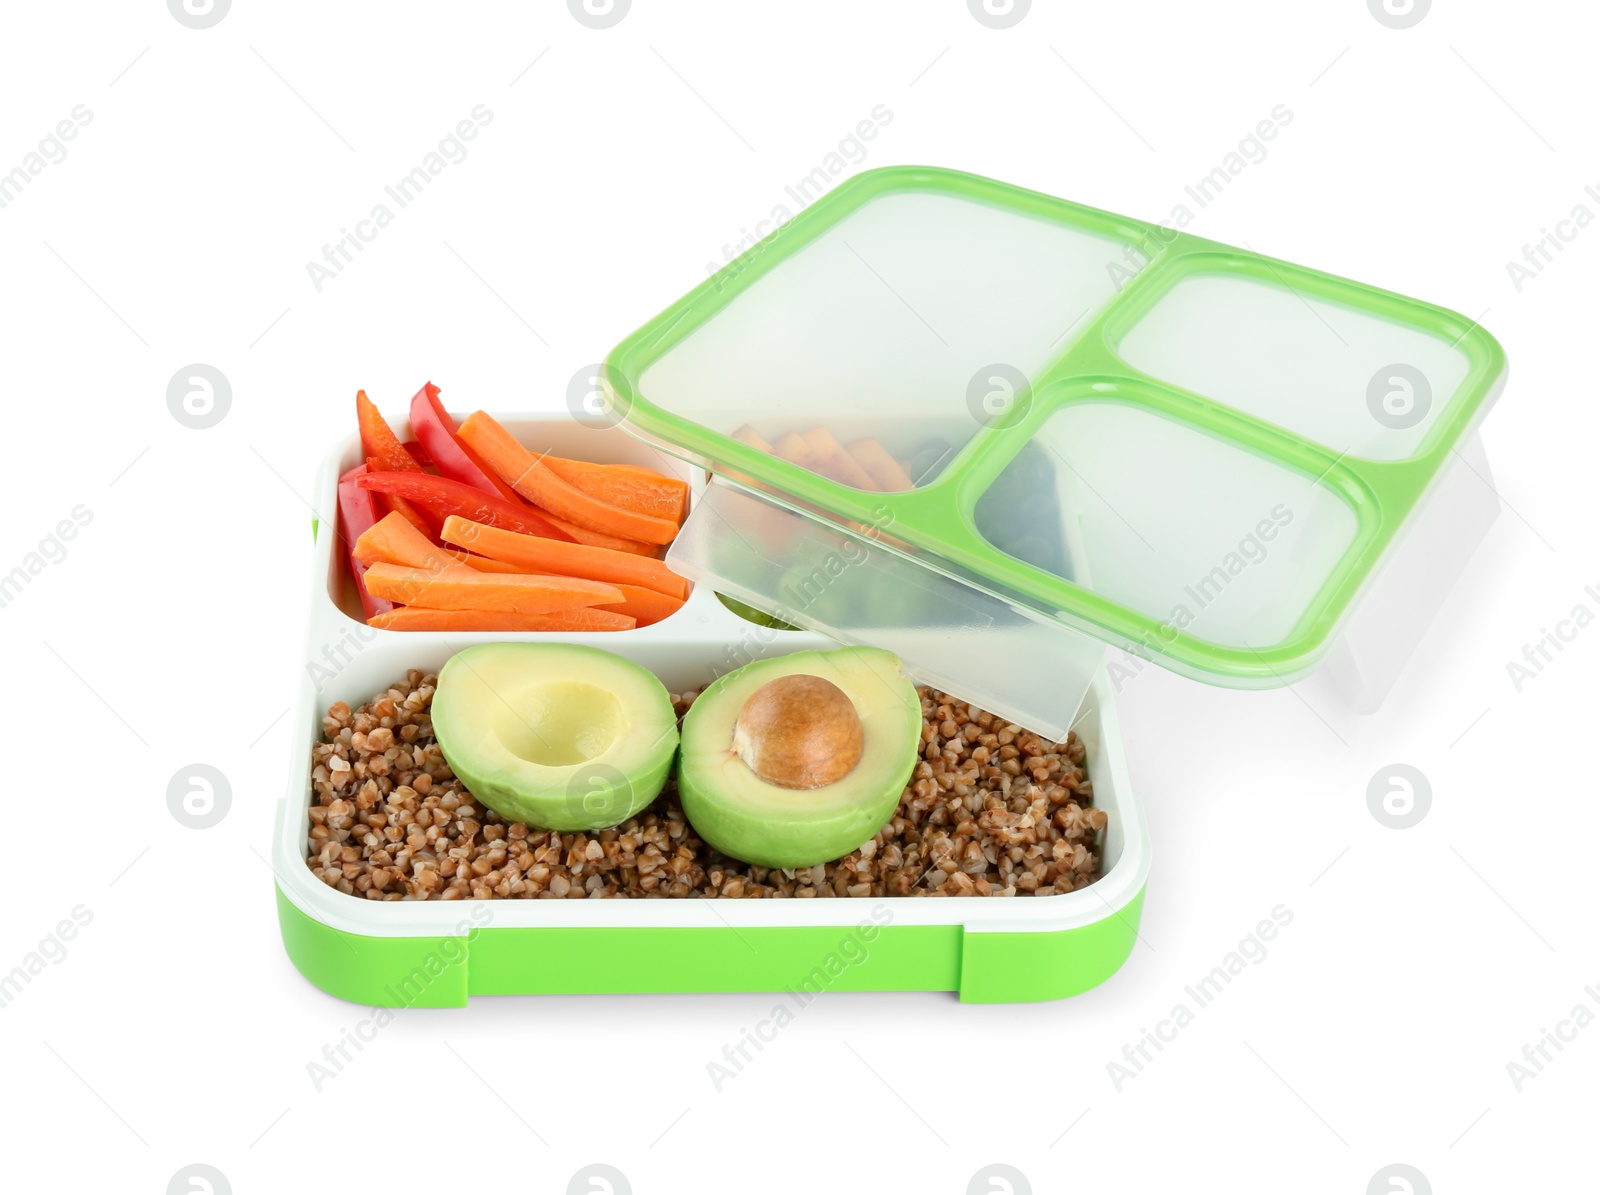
<point x="863" y="332"/>
<point x="557" y="435"/>
<point x="1275" y="343"/>
<point x="1195" y="532"/>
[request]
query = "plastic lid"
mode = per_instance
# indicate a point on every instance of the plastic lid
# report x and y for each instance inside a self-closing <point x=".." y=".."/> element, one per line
<point x="1005" y="429"/>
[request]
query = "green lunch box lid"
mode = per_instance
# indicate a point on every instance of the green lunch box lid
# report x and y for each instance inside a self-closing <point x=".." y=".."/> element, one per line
<point x="994" y="431"/>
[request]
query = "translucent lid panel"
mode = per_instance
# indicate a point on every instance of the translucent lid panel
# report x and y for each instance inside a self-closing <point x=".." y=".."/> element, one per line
<point x="1356" y="383"/>
<point x="886" y="326"/>
<point x="1198" y="534"/>
<point x="1123" y="432"/>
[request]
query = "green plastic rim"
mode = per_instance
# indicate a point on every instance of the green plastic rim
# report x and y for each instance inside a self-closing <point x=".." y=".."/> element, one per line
<point x="798" y="962"/>
<point x="935" y="524"/>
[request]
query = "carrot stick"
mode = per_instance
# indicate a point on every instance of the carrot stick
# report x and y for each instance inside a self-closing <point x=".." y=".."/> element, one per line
<point x="645" y="605"/>
<point x="379" y="444"/>
<point x="833" y="461"/>
<point x="580" y="618"/>
<point x="538" y="484"/>
<point x="483" y="564"/>
<point x="749" y="435"/>
<point x="468" y="589"/>
<point x="791" y="447"/>
<point x="632" y="487"/>
<point x="535" y="554"/>
<point x="880" y="466"/>
<point x="393" y="540"/>
<point x="599" y="539"/>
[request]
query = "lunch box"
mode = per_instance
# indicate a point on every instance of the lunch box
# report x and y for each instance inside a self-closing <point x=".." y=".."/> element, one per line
<point x="437" y="953"/>
<point x="993" y="432"/>
<point x="1106" y="432"/>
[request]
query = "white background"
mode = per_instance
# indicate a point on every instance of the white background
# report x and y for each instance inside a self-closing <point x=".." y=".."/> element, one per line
<point x="178" y="229"/>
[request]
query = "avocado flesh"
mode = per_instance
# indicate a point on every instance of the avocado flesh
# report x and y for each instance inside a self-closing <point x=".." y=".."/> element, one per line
<point x="558" y="736"/>
<point x="746" y="818"/>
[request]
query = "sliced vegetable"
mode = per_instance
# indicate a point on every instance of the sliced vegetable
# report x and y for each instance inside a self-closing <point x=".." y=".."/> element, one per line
<point x="889" y="475"/>
<point x="599" y="539"/>
<point x="793" y="448"/>
<point x="385" y="454"/>
<point x="437" y="433"/>
<point x="833" y="461"/>
<point x="468" y="589"/>
<point x="581" y="618"/>
<point x="632" y="487"/>
<point x="445" y="497"/>
<point x="536" y="555"/>
<point x="537" y="483"/>
<point x="358" y="513"/>
<point x="379" y="444"/>
<point x="483" y="564"/>
<point x="645" y="605"/>
<point x="749" y="435"/>
<point x="395" y="541"/>
<point x="418" y="452"/>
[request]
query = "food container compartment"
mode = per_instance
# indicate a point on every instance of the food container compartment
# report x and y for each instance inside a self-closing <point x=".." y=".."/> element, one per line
<point x="1124" y="433"/>
<point x="435" y="953"/>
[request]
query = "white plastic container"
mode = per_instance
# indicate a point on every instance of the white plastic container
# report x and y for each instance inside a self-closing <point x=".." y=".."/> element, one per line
<point x="433" y="953"/>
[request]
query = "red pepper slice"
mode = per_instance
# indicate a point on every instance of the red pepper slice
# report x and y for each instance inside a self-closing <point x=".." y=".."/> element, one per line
<point x="418" y="453"/>
<point x="432" y="425"/>
<point x="358" y="510"/>
<point x="444" y="496"/>
<point x="424" y="521"/>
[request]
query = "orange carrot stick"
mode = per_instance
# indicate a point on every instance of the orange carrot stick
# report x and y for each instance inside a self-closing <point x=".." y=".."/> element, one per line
<point x="581" y="618"/>
<point x="483" y="564"/>
<point x="749" y="435"/>
<point x="645" y="605"/>
<point x="532" y="554"/>
<point x="599" y="539"/>
<point x="632" y="487"/>
<point x="524" y="472"/>
<point x="393" y="540"/>
<point x="793" y="448"/>
<point x="833" y="461"/>
<point x="457" y="588"/>
<point x="880" y="466"/>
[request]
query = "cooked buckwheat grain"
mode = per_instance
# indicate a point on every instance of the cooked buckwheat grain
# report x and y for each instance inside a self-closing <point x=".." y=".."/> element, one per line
<point x="991" y="810"/>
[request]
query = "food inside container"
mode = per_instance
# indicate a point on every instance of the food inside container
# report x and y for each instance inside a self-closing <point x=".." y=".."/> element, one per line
<point x="467" y="529"/>
<point x="542" y="769"/>
<point x="989" y="811"/>
<point x="396" y="932"/>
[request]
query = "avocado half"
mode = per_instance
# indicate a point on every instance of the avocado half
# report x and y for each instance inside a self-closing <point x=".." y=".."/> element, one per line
<point x="558" y="736"/>
<point x="752" y="819"/>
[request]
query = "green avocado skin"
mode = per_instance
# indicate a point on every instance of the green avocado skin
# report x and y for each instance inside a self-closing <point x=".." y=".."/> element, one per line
<point x="754" y="836"/>
<point x="587" y="807"/>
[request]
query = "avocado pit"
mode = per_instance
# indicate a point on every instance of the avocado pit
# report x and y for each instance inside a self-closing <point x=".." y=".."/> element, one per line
<point x="799" y="731"/>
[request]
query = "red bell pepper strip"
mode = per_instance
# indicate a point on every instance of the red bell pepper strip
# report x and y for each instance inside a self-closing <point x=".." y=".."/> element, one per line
<point x="444" y="496"/>
<point x="432" y="425"/>
<point x="358" y="510"/>
<point x="418" y="452"/>
<point x="424" y="521"/>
